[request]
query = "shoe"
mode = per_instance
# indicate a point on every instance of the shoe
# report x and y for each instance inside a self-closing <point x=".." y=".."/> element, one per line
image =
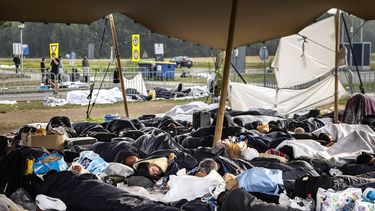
<point x="48" y="203"/>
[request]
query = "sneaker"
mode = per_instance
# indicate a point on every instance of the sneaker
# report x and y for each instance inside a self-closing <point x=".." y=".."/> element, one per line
<point x="48" y="203"/>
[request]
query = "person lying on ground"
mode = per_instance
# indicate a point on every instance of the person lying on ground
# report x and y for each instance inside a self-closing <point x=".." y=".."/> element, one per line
<point x="149" y="171"/>
<point x="206" y="166"/>
<point x="206" y="181"/>
<point x="323" y="138"/>
<point x="240" y="200"/>
<point x="12" y="167"/>
<point x="120" y="152"/>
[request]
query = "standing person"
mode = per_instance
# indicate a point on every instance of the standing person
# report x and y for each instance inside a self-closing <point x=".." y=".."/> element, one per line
<point x="17" y="62"/>
<point x="61" y="68"/>
<point x="54" y="73"/>
<point x="86" y="69"/>
<point x="43" y="71"/>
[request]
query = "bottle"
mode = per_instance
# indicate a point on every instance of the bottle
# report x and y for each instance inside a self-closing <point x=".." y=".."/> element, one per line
<point x="369" y="194"/>
<point x="311" y="202"/>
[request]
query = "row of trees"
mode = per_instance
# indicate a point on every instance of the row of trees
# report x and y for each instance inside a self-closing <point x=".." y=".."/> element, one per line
<point x="77" y="37"/>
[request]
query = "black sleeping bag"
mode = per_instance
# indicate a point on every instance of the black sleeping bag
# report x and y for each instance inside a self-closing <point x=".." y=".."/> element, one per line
<point x="356" y="169"/>
<point x="227" y="165"/>
<point x="117" y="125"/>
<point x="12" y="169"/>
<point x="309" y="184"/>
<point x="203" y="137"/>
<point x="183" y="159"/>
<point x="133" y="134"/>
<point x="263" y="142"/>
<point x="240" y="200"/>
<point x="116" y="151"/>
<point x="63" y="125"/>
<point x="83" y="127"/>
<point x="94" y="130"/>
<point x="82" y="194"/>
<point x="157" y="140"/>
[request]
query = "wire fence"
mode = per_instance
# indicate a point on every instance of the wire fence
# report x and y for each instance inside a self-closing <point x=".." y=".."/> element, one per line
<point x="31" y="82"/>
<point x="75" y="79"/>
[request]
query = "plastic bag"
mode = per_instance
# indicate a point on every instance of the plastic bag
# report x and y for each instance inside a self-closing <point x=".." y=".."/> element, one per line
<point x="340" y="200"/>
<point x="297" y="203"/>
<point x="92" y="162"/>
<point x="21" y="197"/>
<point x="49" y="162"/>
<point x="118" y="169"/>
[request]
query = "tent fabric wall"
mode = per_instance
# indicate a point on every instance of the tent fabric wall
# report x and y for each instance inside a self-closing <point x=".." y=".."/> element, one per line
<point x="136" y="83"/>
<point x="299" y="60"/>
<point x="243" y="97"/>
<point x="204" y="21"/>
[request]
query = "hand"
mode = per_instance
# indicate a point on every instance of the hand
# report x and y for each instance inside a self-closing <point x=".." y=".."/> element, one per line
<point x="171" y="157"/>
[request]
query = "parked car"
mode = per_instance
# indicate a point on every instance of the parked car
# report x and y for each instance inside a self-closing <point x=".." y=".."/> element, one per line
<point x="182" y="61"/>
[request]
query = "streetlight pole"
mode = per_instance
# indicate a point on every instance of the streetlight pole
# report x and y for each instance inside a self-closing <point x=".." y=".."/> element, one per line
<point x="21" y="26"/>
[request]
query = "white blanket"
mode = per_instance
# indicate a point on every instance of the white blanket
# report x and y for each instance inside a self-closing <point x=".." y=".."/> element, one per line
<point x="185" y="112"/>
<point x="346" y="149"/>
<point x="339" y="131"/>
<point x="192" y="187"/>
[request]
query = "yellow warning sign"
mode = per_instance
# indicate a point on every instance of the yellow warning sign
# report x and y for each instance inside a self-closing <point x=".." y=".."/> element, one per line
<point x="136" y="48"/>
<point x="54" y="48"/>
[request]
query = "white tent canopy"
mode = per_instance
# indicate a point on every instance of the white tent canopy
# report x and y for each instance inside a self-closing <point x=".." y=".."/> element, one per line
<point x="243" y="97"/>
<point x="300" y="59"/>
<point x="306" y="56"/>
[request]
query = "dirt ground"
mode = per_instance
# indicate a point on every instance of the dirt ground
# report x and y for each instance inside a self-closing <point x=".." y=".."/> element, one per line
<point x="13" y="117"/>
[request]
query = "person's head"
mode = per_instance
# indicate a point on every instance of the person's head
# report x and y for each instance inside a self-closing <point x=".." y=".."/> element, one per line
<point x="43" y="59"/>
<point x="77" y="168"/>
<point x="85" y="57"/>
<point x="299" y="130"/>
<point x="53" y="55"/>
<point x="325" y="137"/>
<point x="365" y="159"/>
<point x="205" y="167"/>
<point x="263" y="128"/>
<point x="131" y="160"/>
<point x="149" y="170"/>
<point x="155" y="170"/>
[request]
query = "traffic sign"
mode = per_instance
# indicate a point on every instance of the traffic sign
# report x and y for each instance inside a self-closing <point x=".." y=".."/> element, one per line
<point x="159" y="49"/>
<point x="53" y="48"/>
<point x="17" y="49"/>
<point x="136" y="48"/>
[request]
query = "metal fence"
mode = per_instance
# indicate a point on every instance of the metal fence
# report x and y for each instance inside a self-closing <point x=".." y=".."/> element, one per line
<point x="11" y="83"/>
<point x="32" y="82"/>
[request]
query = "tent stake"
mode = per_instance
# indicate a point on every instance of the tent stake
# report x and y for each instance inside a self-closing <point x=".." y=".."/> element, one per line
<point x="337" y="22"/>
<point x="224" y="85"/>
<point x="117" y="52"/>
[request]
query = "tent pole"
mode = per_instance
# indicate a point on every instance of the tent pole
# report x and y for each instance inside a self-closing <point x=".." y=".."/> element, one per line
<point x="337" y="23"/>
<point x="224" y="85"/>
<point x="118" y="61"/>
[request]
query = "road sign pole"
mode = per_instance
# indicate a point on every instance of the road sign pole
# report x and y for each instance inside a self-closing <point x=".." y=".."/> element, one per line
<point x="264" y="74"/>
<point x="21" y="52"/>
